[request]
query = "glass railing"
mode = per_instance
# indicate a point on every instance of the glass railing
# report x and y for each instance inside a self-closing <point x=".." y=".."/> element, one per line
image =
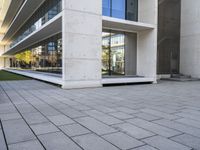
<point x="46" y="12"/>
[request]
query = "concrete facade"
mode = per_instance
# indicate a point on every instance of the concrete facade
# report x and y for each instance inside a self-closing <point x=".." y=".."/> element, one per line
<point x="81" y="24"/>
<point x="147" y="39"/>
<point x="1" y="58"/>
<point x="82" y="29"/>
<point x="190" y="38"/>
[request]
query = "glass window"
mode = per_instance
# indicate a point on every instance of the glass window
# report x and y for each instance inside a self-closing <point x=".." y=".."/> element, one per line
<point x="131" y="10"/>
<point x="113" y="53"/>
<point x="105" y="53"/>
<point x="118" y="9"/>
<point x="106" y="7"/>
<point x="122" y="9"/>
<point x="45" y="56"/>
<point x="48" y="10"/>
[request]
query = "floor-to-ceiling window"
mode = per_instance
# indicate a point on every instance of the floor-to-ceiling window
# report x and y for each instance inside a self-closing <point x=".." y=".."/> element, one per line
<point x="113" y="53"/>
<point x="119" y="51"/>
<point x="122" y="9"/>
<point x="45" y="56"/>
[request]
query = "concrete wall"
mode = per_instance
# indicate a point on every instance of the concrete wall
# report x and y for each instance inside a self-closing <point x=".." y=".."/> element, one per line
<point x="147" y="11"/>
<point x="82" y="29"/>
<point x="190" y="38"/>
<point x="147" y="54"/>
<point x="1" y="58"/>
<point x="169" y="36"/>
<point x="147" y="40"/>
<point x="4" y="61"/>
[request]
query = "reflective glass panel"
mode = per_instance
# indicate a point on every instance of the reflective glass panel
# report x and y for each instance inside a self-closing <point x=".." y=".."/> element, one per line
<point x="113" y="54"/>
<point x="118" y="9"/>
<point x="106" y="7"/>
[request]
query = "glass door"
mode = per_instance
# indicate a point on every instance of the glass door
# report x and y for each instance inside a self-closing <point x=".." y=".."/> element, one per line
<point x="113" y="54"/>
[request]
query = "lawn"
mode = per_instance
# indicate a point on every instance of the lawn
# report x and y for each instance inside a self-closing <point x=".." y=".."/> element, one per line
<point x="7" y="76"/>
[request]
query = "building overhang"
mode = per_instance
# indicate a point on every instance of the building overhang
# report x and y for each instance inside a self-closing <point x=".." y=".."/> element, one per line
<point x="125" y="25"/>
<point x="51" y="28"/>
<point x="10" y="14"/>
<point x="25" y="12"/>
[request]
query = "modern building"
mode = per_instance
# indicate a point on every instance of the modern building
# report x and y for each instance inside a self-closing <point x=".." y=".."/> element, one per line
<point x="81" y="43"/>
<point x="90" y="43"/>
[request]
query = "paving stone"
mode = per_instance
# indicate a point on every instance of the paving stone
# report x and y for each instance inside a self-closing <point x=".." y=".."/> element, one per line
<point x="95" y="126"/>
<point x="17" y="131"/>
<point x="158" y="129"/>
<point x="59" y="105"/>
<point x="180" y="127"/>
<point x="191" y="111"/>
<point x="69" y="102"/>
<point x="60" y="120"/>
<point x="81" y="107"/>
<point x="134" y="131"/>
<point x="189" y="122"/>
<point x="121" y="115"/>
<point x="72" y="113"/>
<point x="93" y="142"/>
<point x="109" y="120"/>
<point x="10" y="116"/>
<point x="26" y="108"/>
<point x="2" y="141"/>
<point x="148" y="117"/>
<point x="188" y="140"/>
<point x="47" y="110"/>
<point x="74" y="129"/>
<point x="127" y="110"/>
<point x="58" y="141"/>
<point x="8" y="108"/>
<point x="175" y="104"/>
<point x="160" y="114"/>
<point x="104" y="109"/>
<point x="162" y="143"/>
<point x="29" y="145"/>
<point x="189" y="116"/>
<point x="146" y="147"/>
<point x="44" y="128"/>
<point x="34" y="118"/>
<point x="122" y="141"/>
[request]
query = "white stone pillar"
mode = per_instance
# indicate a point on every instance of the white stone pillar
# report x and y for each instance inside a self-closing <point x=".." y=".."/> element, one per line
<point x="81" y="34"/>
<point x="1" y="58"/>
<point x="190" y="38"/>
<point x="147" y="40"/>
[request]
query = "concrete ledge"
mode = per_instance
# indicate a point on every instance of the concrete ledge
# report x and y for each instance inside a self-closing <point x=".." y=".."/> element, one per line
<point x="107" y="81"/>
<point x="125" y="25"/>
<point x="57" y="79"/>
<point x="39" y="75"/>
<point x="81" y="84"/>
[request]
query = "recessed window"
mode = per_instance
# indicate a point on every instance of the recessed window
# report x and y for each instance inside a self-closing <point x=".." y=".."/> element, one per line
<point x="122" y="9"/>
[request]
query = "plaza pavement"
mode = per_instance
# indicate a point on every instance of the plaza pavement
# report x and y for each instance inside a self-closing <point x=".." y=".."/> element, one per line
<point x="37" y="116"/>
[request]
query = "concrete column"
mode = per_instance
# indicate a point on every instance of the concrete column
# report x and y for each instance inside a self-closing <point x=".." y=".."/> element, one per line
<point x="1" y="58"/>
<point x="147" y="40"/>
<point x="190" y="38"/>
<point x="147" y="54"/>
<point x="81" y="34"/>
